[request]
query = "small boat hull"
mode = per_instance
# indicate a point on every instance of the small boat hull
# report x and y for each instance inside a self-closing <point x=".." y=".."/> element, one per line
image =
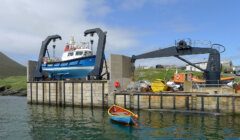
<point x="122" y="119"/>
<point x="72" y="69"/>
<point x="121" y="115"/>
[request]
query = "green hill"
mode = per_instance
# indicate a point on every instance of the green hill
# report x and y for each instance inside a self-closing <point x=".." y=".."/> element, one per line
<point x="9" y="67"/>
<point x="153" y="74"/>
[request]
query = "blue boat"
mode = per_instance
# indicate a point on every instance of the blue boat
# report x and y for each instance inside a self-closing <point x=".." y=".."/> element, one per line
<point x="74" y="69"/>
<point x="122" y="115"/>
<point x="76" y="63"/>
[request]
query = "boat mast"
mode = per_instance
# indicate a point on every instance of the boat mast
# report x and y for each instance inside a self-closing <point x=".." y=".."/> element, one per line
<point x="54" y="46"/>
<point x="91" y="42"/>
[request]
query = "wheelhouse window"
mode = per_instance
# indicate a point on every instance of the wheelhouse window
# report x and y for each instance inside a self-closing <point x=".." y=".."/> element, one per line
<point x="87" y="53"/>
<point x="79" y="53"/>
<point x="70" y="54"/>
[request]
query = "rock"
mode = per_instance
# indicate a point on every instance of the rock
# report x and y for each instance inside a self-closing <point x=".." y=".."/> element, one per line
<point x="21" y="93"/>
<point x="10" y="92"/>
<point x="2" y="88"/>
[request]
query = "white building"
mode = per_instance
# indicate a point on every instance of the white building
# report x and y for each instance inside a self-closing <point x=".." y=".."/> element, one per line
<point x="225" y="64"/>
<point x="202" y="65"/>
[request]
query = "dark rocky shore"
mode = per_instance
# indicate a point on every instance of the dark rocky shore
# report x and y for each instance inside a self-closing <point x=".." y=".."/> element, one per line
<point x="4" y="91"/>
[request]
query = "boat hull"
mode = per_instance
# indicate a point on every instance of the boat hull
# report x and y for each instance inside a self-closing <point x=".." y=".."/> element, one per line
<point x="122" y="119"/>
<point x="71" y="69"/>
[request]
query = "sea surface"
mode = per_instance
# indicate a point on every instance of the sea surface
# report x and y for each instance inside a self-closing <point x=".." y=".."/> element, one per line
<point x="19" y="120"/>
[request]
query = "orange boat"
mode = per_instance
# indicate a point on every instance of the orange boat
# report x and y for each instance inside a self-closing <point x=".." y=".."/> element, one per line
<point x="227" y="78"/>
<point x="181" y="77"/>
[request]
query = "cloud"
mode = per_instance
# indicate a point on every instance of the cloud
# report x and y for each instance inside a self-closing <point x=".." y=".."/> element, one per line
<point x="179" y="25"/>
<point x="137" y="4"/>
<point x="100" y="8"/>
<point x="25" y="23"/>
<point x="132" y="4"/>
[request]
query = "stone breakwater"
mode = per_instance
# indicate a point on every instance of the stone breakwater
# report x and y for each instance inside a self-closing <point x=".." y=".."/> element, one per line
<point x="5" y="91"/>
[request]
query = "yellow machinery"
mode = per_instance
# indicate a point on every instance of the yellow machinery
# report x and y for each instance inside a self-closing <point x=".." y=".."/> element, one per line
<point x="159" y="85"/>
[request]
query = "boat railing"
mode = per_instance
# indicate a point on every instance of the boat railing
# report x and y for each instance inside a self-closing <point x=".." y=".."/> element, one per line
<point x="50" y="60"/>
<point x="81" y="45"/>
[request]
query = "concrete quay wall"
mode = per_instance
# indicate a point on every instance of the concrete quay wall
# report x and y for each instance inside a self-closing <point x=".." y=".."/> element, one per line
<point x="97" y="94"/>
<point x="219" y="103"/>
<point x="64" y="93"/>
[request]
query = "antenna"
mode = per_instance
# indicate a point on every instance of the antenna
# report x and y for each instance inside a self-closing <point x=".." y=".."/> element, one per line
<point x="54" y="46"/>
<point x="91" y="41"/>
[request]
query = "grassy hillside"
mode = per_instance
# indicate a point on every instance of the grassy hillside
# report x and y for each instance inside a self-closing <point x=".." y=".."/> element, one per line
<point x="9" y="67"/>
<point x="14" y="82"/>
<point x="153" y="74"/>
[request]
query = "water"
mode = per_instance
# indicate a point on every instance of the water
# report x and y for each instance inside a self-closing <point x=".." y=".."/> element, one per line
<point x="18" y="120"/>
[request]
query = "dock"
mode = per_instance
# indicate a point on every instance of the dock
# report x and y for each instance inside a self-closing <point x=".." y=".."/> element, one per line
<point x="102" y="94"/>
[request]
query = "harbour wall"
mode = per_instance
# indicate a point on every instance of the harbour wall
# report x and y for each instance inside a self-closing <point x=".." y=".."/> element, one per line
<point x="66" y="93"/>
<point x="97" y="94"/>
<point x="184" y="101"/>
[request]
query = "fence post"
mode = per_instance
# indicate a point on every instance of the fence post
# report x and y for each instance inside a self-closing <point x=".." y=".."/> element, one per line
<point x="174" y="102"/>
<point x="43" y="92"/>
<point x="187" y="102"/>
<point x="233" y="104"/>
<point x="82" y="94"/>
<point x="202" y="103"/>
<point x="91" y="95"/>
<point x="138" y="101"/>
<point x="56" y="86"/>
<point x="64" y="94"/>
<point x="37" y="93"/>
<point x="31" y="91"/>
<point x="49" y="93"/>
<point x="161" y="102"/>
<point x="149" y="101"/>
<point x="72" y="94"/>
<point x="217" y="108"/>
<point x="103" y="95"/>
<point x="114" y="98"/>
<point x="125" y="101"/>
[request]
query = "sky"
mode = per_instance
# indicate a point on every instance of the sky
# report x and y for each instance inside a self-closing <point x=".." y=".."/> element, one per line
<point x="133" y="26"/>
